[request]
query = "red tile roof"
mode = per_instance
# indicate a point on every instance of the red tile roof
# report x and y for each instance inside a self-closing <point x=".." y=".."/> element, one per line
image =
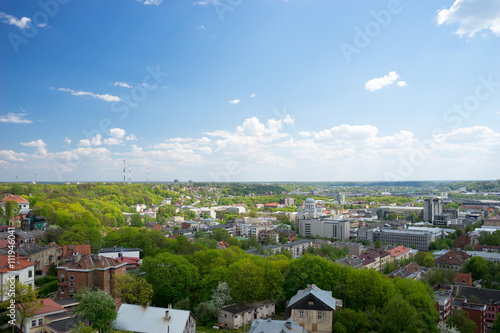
<point x="68" y="250"/>
<point x="453" y="257"/>
<point x="397" y="251"/>
<point x="17" y="198"/>
<point x="48" y="307"/>
<point x="465" y="278"/>
<point x="19" y="263"/>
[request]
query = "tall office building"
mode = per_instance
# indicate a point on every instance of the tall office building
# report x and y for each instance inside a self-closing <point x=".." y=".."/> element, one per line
<point x="432" y="207"/>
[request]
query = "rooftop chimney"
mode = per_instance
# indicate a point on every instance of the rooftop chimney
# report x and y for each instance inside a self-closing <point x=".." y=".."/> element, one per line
<point x="169" y="305"/>
<point x="288" y="324"/>
<point x="167" y="316"/>
<point x="77" y="258"/>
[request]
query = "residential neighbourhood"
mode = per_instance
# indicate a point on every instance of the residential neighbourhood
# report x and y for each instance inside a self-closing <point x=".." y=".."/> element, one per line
<point x="390" y="240"/>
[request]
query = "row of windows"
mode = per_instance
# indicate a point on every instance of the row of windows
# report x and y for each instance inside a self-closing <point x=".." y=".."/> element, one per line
<point x="320" y="314"/>
<point x="34" y="322"/>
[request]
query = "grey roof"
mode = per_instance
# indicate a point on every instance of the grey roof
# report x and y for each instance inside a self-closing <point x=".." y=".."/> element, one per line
<point x="487" y="296"/>
<point x="242" y="307"/>
<point x="275" y="326"/>
<point x="26" y="249"/>
<point x="118" y="249"/>
<point x="65" y="325"/>
<point x="323" y="295"/>
<point x="310" y="200"/>
<point x="137" y="318"/>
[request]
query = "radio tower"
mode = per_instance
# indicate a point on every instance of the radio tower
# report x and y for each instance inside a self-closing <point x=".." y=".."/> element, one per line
<point x="148" y="175"/>
<point x="124" y="172"/>
<point x="129" y="175"/>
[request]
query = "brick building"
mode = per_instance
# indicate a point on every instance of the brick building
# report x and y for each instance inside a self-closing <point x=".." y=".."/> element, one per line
<point x="88" y="271"/>
<point x="452" y="260"/>
<point x="462" y="241"/>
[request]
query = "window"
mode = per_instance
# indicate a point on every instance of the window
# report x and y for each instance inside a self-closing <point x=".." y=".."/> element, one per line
<point x="310" y="302"/>
<point x="62" y="277"/>
<point x="33" y="323"/>
<point x="62" y="290"/>
<point x="301" y="314"/>
<point x="320" y="315"/>
<point x="40" y="322"/>
<point x="30" y="273"/>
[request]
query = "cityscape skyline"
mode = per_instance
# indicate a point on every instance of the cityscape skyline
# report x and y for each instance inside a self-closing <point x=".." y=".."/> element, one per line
<point x="280" y="90"/>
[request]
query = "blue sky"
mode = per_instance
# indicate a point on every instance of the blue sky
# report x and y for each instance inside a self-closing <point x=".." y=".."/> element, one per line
<point x="249" y="90"/>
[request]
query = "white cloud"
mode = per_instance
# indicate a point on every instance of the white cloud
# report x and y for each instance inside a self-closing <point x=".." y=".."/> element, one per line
<point x="206" y="2"/>
<point x="402" y="83"/>
<point x="234" y="101"/>
<point x="305" y="134"/>
<point x="96" y="140"/>
<point x="151" y="2"/>
<point x="67" y="141"/>
<point x="116" y="136"/>
<point x="289" y="120"/>
<point x="253" y="95"/>
<point x="22" y="23"/>
<point x="117" y="133"/>
<point x="122" y="84"/>
<point x="105" y="97"/>
<point x="84" y="143"/>
<point x="16" y="118"/>
<point x="131" y="137"/>
<point x="381" y="82"/>
<point x="472" y="16"/>
<point x="39" y="144"/>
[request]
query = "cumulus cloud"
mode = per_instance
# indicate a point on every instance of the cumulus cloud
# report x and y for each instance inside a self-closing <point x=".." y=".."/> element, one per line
<point x="21" y="23"/>
<point x="96" y="140"/>
<point x="67" y="141"/>
<point x="122" y="84"/>
<point x="116" y="136"/>
<point x="234" y="101"/>
<point x="472" y="16"/>
<point x="384" y="81"/>
<point x="39" y="144"/>
<point x="131" y="137"/>
<point x="253" y="95"/>
<point x="104" y="97"/>
<point x="84" y="143"/>
<point x="16" y="118"/>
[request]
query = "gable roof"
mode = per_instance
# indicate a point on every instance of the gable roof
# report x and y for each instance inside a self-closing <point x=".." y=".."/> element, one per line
<point x="19" y="263"/>
<point x="241" y="307"/>
<point x="68" y="250"/>
<point x="323" y="295"/>
<point x="137" y="318"/>
<point x="453" y="257"/>
<point x="29" y="249"/>
<point x="486" y="296"/>
<point x="17" y="198"/>
<point x="87" y="262"/>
